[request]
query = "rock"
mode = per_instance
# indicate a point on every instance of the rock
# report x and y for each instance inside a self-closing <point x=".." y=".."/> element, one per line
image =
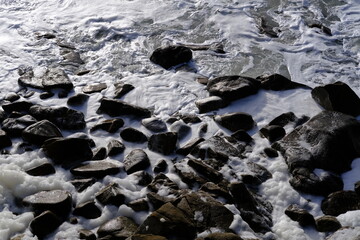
<point x="283" y="119"/>
<point x="180" y="128"/>
<point x="160" y="166"/>
<point x="111" y="194"/>
<point x="168" y="221"/>
<point x="357" y="187"/>
<point x="41" y="170"/>
<point x="67" y="150"/>
<point x="133" y="135"/>
<point x="205" y="170"/>
<point x="41" y="131"/>
<point x="139" y="205"/>
<point x="161" y="180"/>
<point x="93" y="88"/>
<point x="62" y="117"/>
<point x="5" y="140"/>
<point x="267" y="25"/>
<point x="337" y="97"/>
<point x="144" y="178"/>
<point x="171" y="56"/>
<point x="86" y="234"/>
<point x="57" y="201"/>
<point x="316" y="24"/>
<point x="157" y="201"/>
<point x="46" y="95"/>
<point x="210" y="104"/>
<point x="18" y="106"/>
<point x="277" y="82"/>
<point x="216" y="191"/>
<point x="44" y="224"/>
<point x="78" y="100"/>
<point x="109" y="125"/>
<point x="96" y="169"/>
<point x="351" y="233"/>
<point x="235" y="121"/>
<point x="340" y="202"/>
<point x="273" y="132"/>
<point x="189" y="146"/>
<point x="87" y="210"/>
<point x="242" y="136"/>
<point x="154" y="124"/>
<point x="260" y="172"/>
<point x="118" y="228"/>
<point x="327" y="224"/>
<point x="63" y="94"/>
<point x="188" y="175"/>
<point x="52" y="78"/>
<point x="115" y="147"/>
<point x="189" y="118"/>
<point x="271" y="153"/>
<point x="12" y="97"/>
<point x="222" y="236"/>
<point x="231" y="88"/>
<point x="71" y="57"/>
<point x="146" y="237"/>
<point x="122" y="88"/>
<point x="15" y="126"/>
<point x="99" y="154"/>
<point x="3" y="115"/>
<point x="115" y="108"/>
<point x="136" y="160"/>
<point x="202" y="80"/>
<point x="82" y="135"/>
<point x="164" y="143"/>
<point x="81" y="184"/>
<point x="303" y="217"/>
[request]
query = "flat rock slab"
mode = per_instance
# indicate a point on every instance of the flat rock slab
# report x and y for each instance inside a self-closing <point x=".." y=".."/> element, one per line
<point x="136" y="160"/>
<point x="109" y="125"/>
<point x="94" y="88"/>
<point x="96" y="169"/>
<point x="53" y="78"/>
<point x="41" y="170"/>
<point x="41" y="131"/>
<point x="114" y="108"/>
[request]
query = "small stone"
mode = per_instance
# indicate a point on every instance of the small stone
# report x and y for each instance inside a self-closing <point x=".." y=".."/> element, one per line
<point x="340" y="202"/>
<point x="235" y="121"/>
<point x="63" y="94"/>
<point x="114" y="108"/>
<point x="81" y="184"/>
<point x="46" y="95"/>
<point x="115" y="147"/>
<point x="12" y="97"/>
<point x="189" y="146"/>
<point x="44" y="224"/>
<point x="164" y="143"/>
<point x="118" y="228"/>
<point x="41" y="131"/>
<point x="303" y="217"/>
<point x="5" y="140"/>
<point x="112" y="194"/>
<point x="136" y="160"/>
<point x="86" y="234"/>
<point x="109" y="125"/>
<point x="139" y="205"/>
<point x="277" y="82"/>
<point x="160" y="166"/>
<point x="273" y="132"/>
<point x="41" y="170"/>
<point x="96" y="169"/>
<point x="15" y="126"/>
<point x="180" y="128"/>
<point x="270" y="152"/>
<point x="99" y="153"/>
<point x="171" y="56"/>
<point x="18" y="106"/>
<point x="78" y="99"/>
<point x="133" y="135"/>
<point x="154" y="124"/>
<point x="190" y="118"/>
<point x="205" y="170"/>
<point x="202" y="80"/>
<point x="327" y="224"/>
<point x="210" y="104"/>
<point x="87" y="210"/>
<point x="88" y="89"/>
<point x="122" y="88"/>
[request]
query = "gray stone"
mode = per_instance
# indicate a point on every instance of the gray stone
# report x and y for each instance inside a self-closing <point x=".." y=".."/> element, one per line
<point x="235" y="121"/>
<point x="136" y="160"/>
<point x="96" y="169"/>
<point x="164" y="143"/>
<point x="41" y="131"/>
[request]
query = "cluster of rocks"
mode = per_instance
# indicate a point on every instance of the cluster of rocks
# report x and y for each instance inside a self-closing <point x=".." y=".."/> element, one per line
<point x="329" y="141"/>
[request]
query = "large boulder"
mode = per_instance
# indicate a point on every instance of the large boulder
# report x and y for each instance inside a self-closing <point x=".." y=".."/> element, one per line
<point x="171" y="56"/>
<point x="340" y="202"/>
<point x="41" y="131"/>
<point x="277" y="82"/>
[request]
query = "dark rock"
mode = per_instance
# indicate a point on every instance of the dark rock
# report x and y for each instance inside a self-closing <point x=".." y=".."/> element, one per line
<point x="115" y="147"/>
<point x="19" y="106"/>
<point x="57" y="201"/>
<point x="222" y="236"/>
<point x="338" y="97"/>
<point x="161" y="180"/>
<point x="56" y="78"/>
<point x="118" y="228"/>
<point x="71" y="57"/>
<point x="327" y="224"/>
<point x="303" y="217"/>
<point x="235" y="121"/>
<point x="188" y="176"/>
<point x="273" y="132"/>
<point x="231" y="88"/>
<point x="146" y="237"/>
<point x="46" y="95"/>
<point x="25" y="93"/>
<point x="111" y="194"/>
<point x="169" y="221"/>
<point x="203" y="129"/>
<point x="67" y="150"/>
<point x="82" y="135"/>
<point x="340" y="202"/>
<point x="41" y="170"/>
<point x="242" y="136"/>
<point x="267" y="25"/>
<point x="15" y="126"/>
<point x="154" y="124"/>
<point x="114" y="108"/>
<point x="205" y="170"/>
<point x="260" y="172"/>
<point x="5" y="140"/>
<point x="216" y="191"/>
<point x="160" y="166"/>
<point x="283" y="119"/>
<point x="270" y="152"/>
<point x="109" y="125"/>
<point x="81" y="184"/>
<point x="171" y="56"/>
<point x="164" y="143"/>
<point x="86" y="234"/>
<point x="277" y="82"/>
<point x="189" y="146"/>
<point x="139" y="205"/>
<point x="144" y="178"/>
<point x="62" y="117"/>
<point x="87" y="210"/>
<point x="44" y="224"/>
<point x="63" y="94"/>
<point x="157" y="201"/>
<point x="357" y="187"/>
<point x="316" y="24"/>
<point x="136" y="160"/>
<point x="78" y="100"/>
<point x="41" y="131"/>
<point x="98" y="87"/>
<point x="96" y="169"/>
<point x="210" y="104"/>
<point x="12" y="97"/>
<point x="99" y="154"/>
<point x="3" y="115"/>
<point x="133" y="135"/>
<point x="122" y="88"/>
<point x="189" y="118"/>
<point x="180" y="128"/>
<point x="202" y="80"/>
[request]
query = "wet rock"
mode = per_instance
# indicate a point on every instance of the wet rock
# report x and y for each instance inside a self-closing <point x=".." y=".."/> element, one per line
<point x="273" y="132"/>
<point x="87" y="210"/>
<point x="81" y="184"/>
<point x="144" y="178"/>
<point x="41" y="170"/>
<point x="235" y="121"/>
<point x="5" y="140"/>
<point x="62" y="117"/>
<point x="222" y="236"/>
<point x="86" y="234"/>
<point x="189" y="146"/>
<point x="115" y="147"/>
<point x="114" y="108"/>
<point x="96" y="169"/>
<point x="164" y="143"/>
<point x="146" y="237"/>
<point x="133" y="135"/>
<point x="317" y="24"/>
<point x="3" y="115"/>
<point x="340" y="202"/>
<point x="283" y="119"/>
<point x="180" y="128"/>
<point x="52" y="78"/>
<point x="71" y="57"/>
<point x="267" y="25"/>
<point x="270" y="152"/>
<point x="118" y="228"/>
<point x="139" y="205"/>
<point x="303" y="217"/>
<point x="277" y="82"/>
<point x="99" y="154"/>
<point x="231" y="88"/>
<point x="242" y="136"/>
<point x="171" y="56"/>
<point x="12" y="97"/>
<point x="109" y="125"/>
<point x="44" y="224"/>
<point x="210" y="104"/>
<point x="157" y="201"/>
<point x="351" y="233"/>
<point x="41" y="131"/>
<point x="15" y="126"/>
<point x="57" y="201"/>
<point x="63" y="94"/>
<point x="260" y="172"/>
<point x="216" y="191"/>
<point x="111" y="194"/>
<point x="78" y="100"/>
<point x="189" y="176"/>
<point x="189" y="118"/>
<point x="98" y="87"/>
<point x="168" y="221"/>
<point x="337" y="97"/>
<point x="46" y="95"/>
<point x="327" y="224"/>
<point x="67" y="150"/>
<point x="160" y="166"/>
<point x="82" y="135"/>
<point x="18" y="106"/>
<point x="154" y="124"/>
<point x="161" y="180"/>
<point x="202" y="80"/>
<point x="357" y="187"/>
<point x="205" y="170"/>
<point x="122" y="88"/>
<point x="203" y="129"/>
<point x="136" y="160"/>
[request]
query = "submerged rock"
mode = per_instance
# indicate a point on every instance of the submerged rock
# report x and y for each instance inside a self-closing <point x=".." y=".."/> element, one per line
<point x="171" y="56"/>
